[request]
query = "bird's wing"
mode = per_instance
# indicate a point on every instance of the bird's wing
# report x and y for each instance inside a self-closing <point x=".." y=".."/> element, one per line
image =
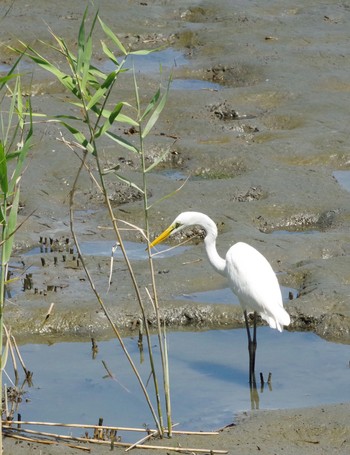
<point x="255" y="283"/>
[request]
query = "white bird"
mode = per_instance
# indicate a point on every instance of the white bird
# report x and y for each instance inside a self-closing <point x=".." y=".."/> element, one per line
<point x="250" y="276"/>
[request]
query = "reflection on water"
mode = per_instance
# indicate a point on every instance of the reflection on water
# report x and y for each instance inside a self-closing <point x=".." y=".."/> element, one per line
<point x="208" y="374"/>
<point x="135" y="250"/>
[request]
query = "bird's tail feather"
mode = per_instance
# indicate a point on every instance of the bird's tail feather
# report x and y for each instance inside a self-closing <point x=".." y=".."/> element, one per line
<point x="277" y="321"/>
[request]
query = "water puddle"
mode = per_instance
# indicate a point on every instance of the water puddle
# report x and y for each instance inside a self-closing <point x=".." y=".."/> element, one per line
<point x="226" y="296"/>
<point x="286" y="232"/>
<point x="208" y="374"/>
<point x="4" y="68"/>
<point x="22" y="66"/>
<point x="135" y="250"/>
<point x="343" y="178"/>
<point x="151" y="63"/>
<point x="194" y="84"/>
<point x="167" y="58"/>
<point x="173" y="174"/>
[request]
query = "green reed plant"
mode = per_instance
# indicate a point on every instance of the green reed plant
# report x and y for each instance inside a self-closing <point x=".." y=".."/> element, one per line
<point x="15" y="141"/>
<point x="91" y="91"/>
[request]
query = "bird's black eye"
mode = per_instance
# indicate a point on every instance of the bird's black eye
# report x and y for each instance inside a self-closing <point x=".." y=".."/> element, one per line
<point x="177" y="225"/>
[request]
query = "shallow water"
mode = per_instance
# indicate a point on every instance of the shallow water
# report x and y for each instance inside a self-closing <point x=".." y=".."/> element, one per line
<point x="343" y="178"/>
<point x="208" y="373"/>
<point x="286" y="232"/>
<point x="167" y="58"/>
<point x="173" y="174"/>
<point x="135" y="250"/>
<point x="151" y="63"/>
<point x="194" y="84"/>
<point x="225" y="295"/>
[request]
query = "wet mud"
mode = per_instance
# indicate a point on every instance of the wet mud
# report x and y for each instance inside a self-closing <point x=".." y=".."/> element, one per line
<point x="299" y="431"/>
<point x="259" y="151"/>
<point x="265" y="145"/>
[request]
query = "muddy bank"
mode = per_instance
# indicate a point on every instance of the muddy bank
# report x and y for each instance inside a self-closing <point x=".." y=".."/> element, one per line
<point x="300" y="431"/>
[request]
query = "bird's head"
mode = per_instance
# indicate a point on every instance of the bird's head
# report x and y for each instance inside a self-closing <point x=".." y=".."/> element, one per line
<point x="182" y="221"/>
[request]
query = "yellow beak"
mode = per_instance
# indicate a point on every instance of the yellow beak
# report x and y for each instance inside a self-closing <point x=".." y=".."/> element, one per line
<point x="163" y="236"/>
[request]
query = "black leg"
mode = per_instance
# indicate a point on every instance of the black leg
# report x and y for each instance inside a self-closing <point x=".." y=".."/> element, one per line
<point x="254" y="343"/>
<point x="251" y="348"/>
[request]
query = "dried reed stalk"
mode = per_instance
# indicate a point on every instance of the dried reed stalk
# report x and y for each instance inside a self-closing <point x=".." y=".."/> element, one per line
<point x="103" y="427"/>
<point x="11" y="432"/>
<point x="74" y="425"/>
<point x="42" y="441"/>
<point x="142" y="440"/>
<point x="118" y="444"/>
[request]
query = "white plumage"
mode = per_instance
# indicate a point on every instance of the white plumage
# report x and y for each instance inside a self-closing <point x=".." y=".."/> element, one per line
<point x="249" y="274"/>
<point x="254" y="282"/>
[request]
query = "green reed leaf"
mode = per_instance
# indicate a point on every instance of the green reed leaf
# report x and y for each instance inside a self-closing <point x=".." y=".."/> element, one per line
<point x="112" y="36"/>
<point x="3" y="169"/>
<point x="11" y="227"/>
<point x="123" y="142"/>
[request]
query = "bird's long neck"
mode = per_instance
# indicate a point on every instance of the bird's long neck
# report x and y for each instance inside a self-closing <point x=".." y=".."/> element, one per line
<point x="215" y="259"/>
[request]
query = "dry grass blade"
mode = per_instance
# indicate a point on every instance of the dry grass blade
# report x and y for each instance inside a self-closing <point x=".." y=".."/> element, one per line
<point x="167" y="196"/>
<point x="26" y="371"/>
<point x="183" y="449"/>
<point x="172" y="247"/>
<point x="114" y="249"/>
<point x="44" y="441"/>
<point x="142" y="440"/>
<point x="103" y="427"/>
<point x="72" y="145"/>
<point x="150" y="298"/>
<point x="134" y="228"/>
<point x="14" y="363"/>
<point x="5" y="406"/>
<point x="49" y="312"/>
<point x="113" y="377"/>
<point x="74" y="425"/>
<point x="136" y="445"/>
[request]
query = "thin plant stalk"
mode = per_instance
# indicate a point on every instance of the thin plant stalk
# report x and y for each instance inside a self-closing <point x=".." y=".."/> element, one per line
<point x="15" y="141"/>
<point x="100" y="301"/>
<point x="3" y="275"/>
<point x="92" y="141"/>
<point x="140" y="301"/>
<point x="92" y="90"/>
<point x="163" y="354"/>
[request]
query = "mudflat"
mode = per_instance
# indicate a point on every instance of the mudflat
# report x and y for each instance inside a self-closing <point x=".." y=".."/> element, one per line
<point x="261" y="142"/>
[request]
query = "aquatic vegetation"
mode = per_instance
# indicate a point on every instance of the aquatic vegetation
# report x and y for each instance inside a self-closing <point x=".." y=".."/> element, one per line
<point x="15" y="141"/>
<point x="95" y="116"/>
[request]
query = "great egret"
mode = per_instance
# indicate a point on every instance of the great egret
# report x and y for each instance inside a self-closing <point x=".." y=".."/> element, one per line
<point x="250" y="276"/>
